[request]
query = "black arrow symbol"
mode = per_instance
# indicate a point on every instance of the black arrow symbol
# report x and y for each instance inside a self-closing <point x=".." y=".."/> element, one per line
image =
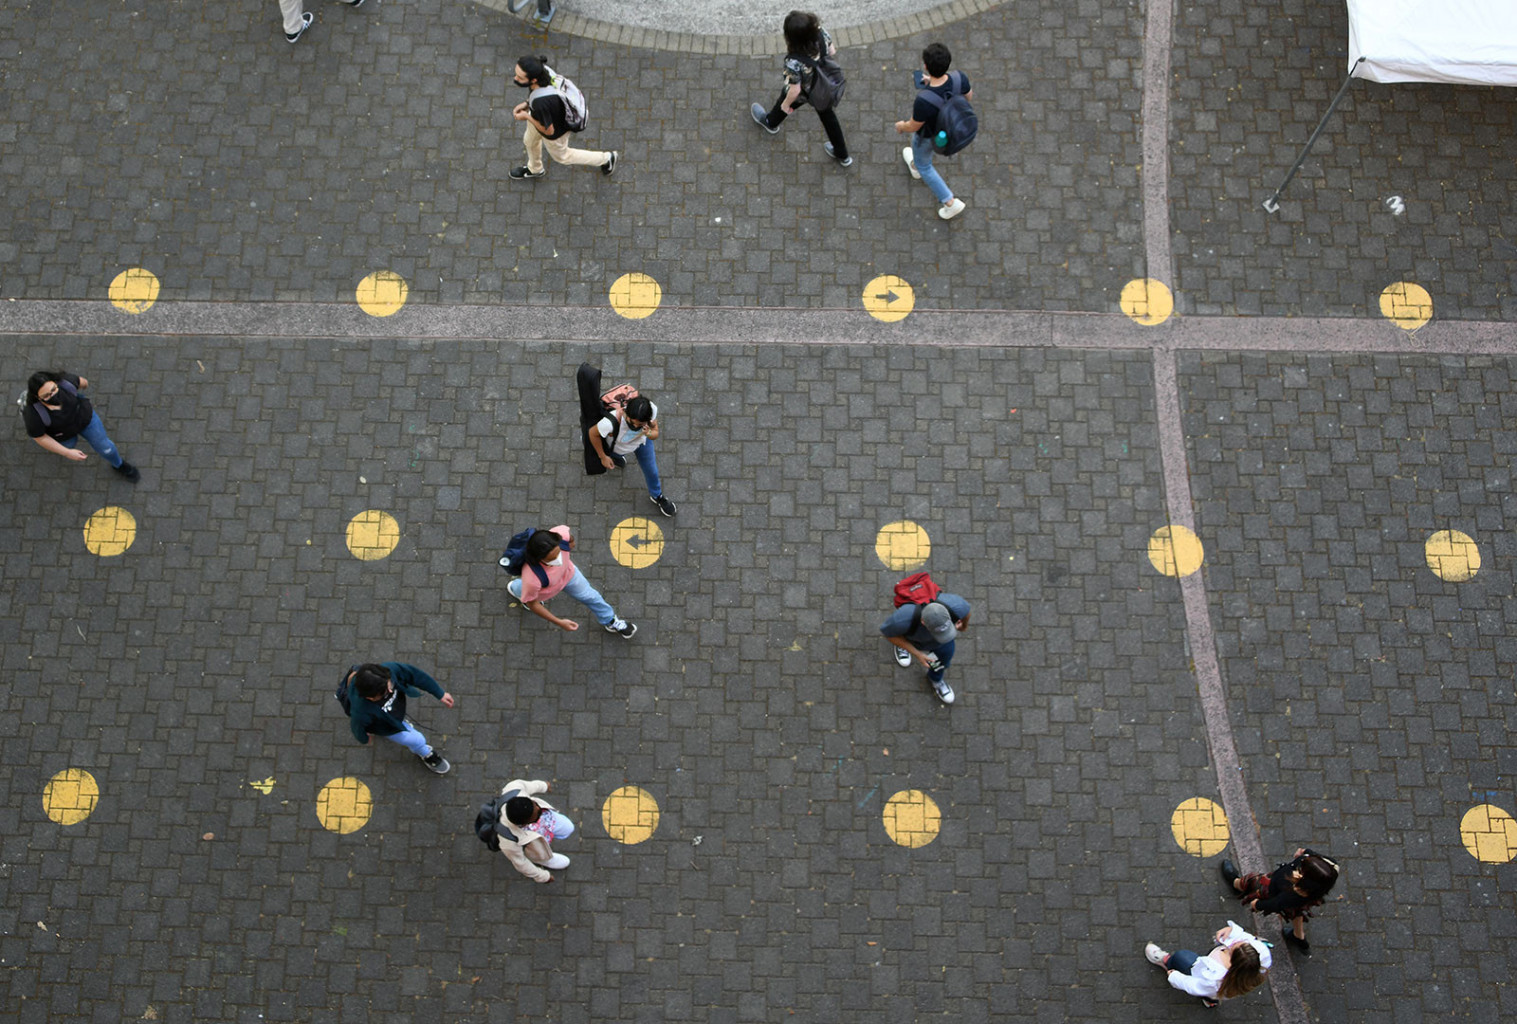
<point x="635" y="541"/>
<point x="889" y="296"/>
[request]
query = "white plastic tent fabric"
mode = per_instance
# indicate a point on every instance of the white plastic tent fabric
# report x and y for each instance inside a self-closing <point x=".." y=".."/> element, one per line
<point x="1462" y="42"/>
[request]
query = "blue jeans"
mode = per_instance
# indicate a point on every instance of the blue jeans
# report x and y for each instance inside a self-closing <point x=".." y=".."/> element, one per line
<point x="412" y="739"/>
<point x="580" y="589"/>
<point x="1182" y="960"/>
<point x="648" y="463"/>
<point x="945" y="656"/>
<point x="922" y="152"/>
<point x="95" y="435"/>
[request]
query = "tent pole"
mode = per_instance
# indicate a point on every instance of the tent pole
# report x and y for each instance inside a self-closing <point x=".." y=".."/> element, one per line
<point x="1272" y="204"/>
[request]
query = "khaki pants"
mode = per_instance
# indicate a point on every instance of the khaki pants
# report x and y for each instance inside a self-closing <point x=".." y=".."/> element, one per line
<point x="293" y="11"/>
<point x="559" y="150"/>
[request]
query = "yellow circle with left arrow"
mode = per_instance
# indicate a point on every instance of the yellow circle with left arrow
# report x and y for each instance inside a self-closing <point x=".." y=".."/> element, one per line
<point x="889" y="298"/>
<point x="637" y="542"/>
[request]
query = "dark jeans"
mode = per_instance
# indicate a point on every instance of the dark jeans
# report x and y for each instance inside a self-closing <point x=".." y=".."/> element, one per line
<point x="945" y="657"/>
<point x="829" y="123"/>
<point x="1182" y="960"/>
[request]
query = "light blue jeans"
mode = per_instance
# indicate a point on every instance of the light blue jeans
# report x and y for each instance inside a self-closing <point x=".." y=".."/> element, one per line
<point x="648" y="463"/>
<point x="95" y="435"/>
<point x="922" y="152"/>
<point x="580" y="589"/>
<point x="411" y="738"/>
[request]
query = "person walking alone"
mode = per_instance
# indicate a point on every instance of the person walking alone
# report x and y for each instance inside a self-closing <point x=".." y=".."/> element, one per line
<point x="57" y="414"/>
<point x="811" y="76"/>
<point x="933" y="78"/>
<point x="554" y="108"/>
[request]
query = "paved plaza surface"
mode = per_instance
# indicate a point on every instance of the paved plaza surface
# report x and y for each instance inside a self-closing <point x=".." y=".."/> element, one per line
<point x="1338" y="672"/>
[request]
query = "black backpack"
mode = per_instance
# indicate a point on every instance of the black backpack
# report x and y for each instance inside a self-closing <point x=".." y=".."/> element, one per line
<point x="343" y="694"/>
<point x="957" y="123"/>
<point x="486" y="820"/>
<point x="827" y="82"/>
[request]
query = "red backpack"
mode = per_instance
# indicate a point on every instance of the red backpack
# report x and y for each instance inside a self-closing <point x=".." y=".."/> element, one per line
<point x="917" y="589"/>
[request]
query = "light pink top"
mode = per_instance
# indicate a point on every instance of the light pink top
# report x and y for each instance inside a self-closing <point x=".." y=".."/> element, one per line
<point x="558" y="575"/>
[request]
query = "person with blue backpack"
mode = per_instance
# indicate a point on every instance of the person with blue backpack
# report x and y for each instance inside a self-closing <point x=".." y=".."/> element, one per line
<point x="539" y="559"/>
<point x="942" y="123"/>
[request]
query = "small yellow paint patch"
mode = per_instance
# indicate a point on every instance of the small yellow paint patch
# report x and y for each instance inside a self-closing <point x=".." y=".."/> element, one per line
<point x="110" y="531"/>
<point x="382" y="293"/>
<point x="1452" y="556"/>
<point x="889" y="298"/>
<point x="264" y="786"/>
<point x="1200" y="827"/>
<point x="372" y="535"/>
<point x="1147" y="301"/>
<point x="902" y="545"/>
<point x="912" y="818"/>
<point x="1175" y="551"/>
<point x="1489" y="833"/>
<point x="70" y="796"/>
<point x="635" y="296"/>
<point x="630" y="815"/>
<point x="344" y="805"/>
<point x="134" y="291"/>
<point x="637" y="542"/>
<point x="1408" y="305"/>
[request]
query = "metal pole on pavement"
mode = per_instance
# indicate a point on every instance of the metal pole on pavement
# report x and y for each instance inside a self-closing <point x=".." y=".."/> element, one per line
<point x="1272" y="204"/>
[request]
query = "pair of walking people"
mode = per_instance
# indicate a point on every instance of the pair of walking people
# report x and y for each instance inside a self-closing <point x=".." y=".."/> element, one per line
<point x="1239" y="961"/>
<point x="811" y="75"/>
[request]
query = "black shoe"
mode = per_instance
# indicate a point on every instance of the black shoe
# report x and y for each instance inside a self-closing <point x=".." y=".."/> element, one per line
<point x="353" y="3"/>
<point x="1299" y="945"/>
<point x="609" y="167"/>
<point x="128" y="470"/>
<point x="845" y="161"/>
<point x="664" y="505"/>
<point x="763" y="119"/>
<point x="626" y="630"/>
<point x="305" y="23"/>
<point x="1229" y="872"/>
<point x="437" y="763"/>
<point x="522" y="172"/>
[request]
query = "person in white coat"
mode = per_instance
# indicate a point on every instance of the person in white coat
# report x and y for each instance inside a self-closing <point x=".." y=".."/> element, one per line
<point x="528" y="827"/>
<point x="1236" y="965"/>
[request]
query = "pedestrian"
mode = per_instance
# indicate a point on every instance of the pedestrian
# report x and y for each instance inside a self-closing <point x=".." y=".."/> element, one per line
<point x="926" y="633"/>
<point x="632" y="431"/>
<point x="380" y="710"/>
<point x="297" y="19"/>
<point x="547" y="569"/>
<point x="933" y="78"/>
<point x="56" y="414"/>
<point x="528" y="827"/>
<point x="811" y="76"/>
<point x="1291" y="891"/>
<point x="1236" y="965"/>
<point x="554" y="108"/>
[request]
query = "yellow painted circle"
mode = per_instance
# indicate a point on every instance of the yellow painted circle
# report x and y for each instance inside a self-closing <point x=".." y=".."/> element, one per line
<point x="1452" y="555"/>
<point x="70" y="796"/>
<point x="902" y="545"/>
<point x="1489" y="833"/>
<point x="382" y="293"/>
<point x="1200" y="827"/>
<point x="134" y="290"/>
<point x="635" y="296"/>
<point x="1175" y="551"/>
<point x="372" y="535"/>
<point x="912" y="818"/>
<point x="637" y="542"/>
<point x="110" y="531"/>
<point x="344" y="805"/>
<point x="630" y="815"/>
<point x="1147" y="301"/>
<point x="1408" y="305"/>
<point x="889" y="298"/>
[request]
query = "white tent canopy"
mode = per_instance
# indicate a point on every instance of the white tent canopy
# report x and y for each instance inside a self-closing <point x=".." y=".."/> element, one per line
<point x="1461" y="42"/>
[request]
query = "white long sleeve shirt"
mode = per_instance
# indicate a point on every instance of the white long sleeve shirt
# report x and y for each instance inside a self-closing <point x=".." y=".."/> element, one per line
<point x="1205" y="978"/>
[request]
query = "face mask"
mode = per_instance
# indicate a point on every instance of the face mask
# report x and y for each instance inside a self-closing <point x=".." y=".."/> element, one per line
<point x="524" y="85"/>
<point x="557" y="561"/>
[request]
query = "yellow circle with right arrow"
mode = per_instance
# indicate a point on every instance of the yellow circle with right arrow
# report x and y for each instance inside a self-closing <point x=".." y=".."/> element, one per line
<point x="637" y="542"/>
<point x="888" y="298"/>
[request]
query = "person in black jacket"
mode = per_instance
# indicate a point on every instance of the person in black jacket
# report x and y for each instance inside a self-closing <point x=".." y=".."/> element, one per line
<point x="378" y="707"/>
<point x="1291" y="891"/>
<point x="56" y="414"/>
<point x="807" y="45"/>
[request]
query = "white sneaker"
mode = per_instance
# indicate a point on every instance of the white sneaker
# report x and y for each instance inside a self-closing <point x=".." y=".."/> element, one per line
<point x="902" y="658"/>
<point x="911" y="163"/>
<point x="943" y="690"/>
<point x="1155" y="955"/>
<point x="951" y="209"/>
<point x="557" y="862"/>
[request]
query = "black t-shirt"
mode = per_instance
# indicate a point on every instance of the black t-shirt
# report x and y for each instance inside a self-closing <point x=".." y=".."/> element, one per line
<point x="925" y="112"/>
<point x="395" y="704"/>
<point x="548" y="109"/>
<point x="65" y="422"/>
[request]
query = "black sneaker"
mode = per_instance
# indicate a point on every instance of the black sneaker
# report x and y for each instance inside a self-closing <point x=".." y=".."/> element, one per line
<point x="762" y="117"/>
<point x="128" y="470"/>
<point x="664" y="505"/>
<point x="609" y="167"/>
<point x="305" y="23"/>
<point x="1229" y="871"/>
<point x="522" y="172"/>
<point x="622" y="628"/>
<point x="437" y="763"/>
<point x="846" y="161"/>
<point x="352" y="3"/>
<point x="1299" y="945"/>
